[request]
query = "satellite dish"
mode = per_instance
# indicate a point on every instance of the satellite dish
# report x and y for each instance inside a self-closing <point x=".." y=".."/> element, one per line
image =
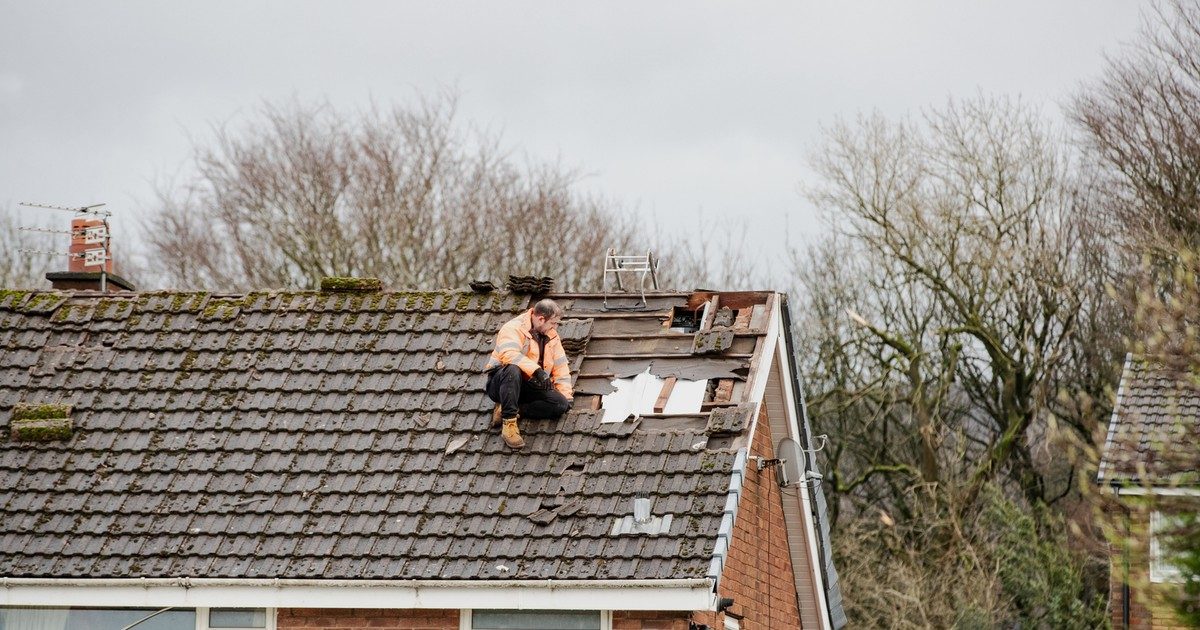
<point x="792" y="470"/>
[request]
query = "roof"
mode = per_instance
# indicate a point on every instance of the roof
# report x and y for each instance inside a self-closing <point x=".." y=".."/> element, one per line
<point x="1155" y="427"/>
<point x="345" y="436"/>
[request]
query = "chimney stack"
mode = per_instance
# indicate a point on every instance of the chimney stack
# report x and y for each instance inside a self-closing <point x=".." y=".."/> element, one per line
<point x="89" y="260"/>
<point x="81" y="244"/>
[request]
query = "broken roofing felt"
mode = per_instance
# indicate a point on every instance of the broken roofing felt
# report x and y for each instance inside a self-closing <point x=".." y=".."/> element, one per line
<point x="1155" y="427"/>
<point x="346" y="435"/>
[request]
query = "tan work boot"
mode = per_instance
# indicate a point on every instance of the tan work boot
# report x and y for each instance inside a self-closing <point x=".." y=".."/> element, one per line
<point x="512" y="435"/>
<point x="496" y="416"/>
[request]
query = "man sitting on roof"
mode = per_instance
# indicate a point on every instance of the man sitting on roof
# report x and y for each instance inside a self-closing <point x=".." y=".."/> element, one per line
<point x="528" y="371"/>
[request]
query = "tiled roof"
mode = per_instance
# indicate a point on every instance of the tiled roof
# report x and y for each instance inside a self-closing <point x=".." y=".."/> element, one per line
<point x="341" y="435"/>
<point x="1154" y="436"/>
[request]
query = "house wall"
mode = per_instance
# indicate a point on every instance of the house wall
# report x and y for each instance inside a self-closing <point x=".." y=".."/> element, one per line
<point x="393" y="619"/>
<point x="365" y="618"/>
<point x="642" y="620"/>
<point x="1149" y="605"/>
<point x="758" y="571"/>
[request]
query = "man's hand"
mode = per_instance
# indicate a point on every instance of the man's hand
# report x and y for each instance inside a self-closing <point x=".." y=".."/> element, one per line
<point x="540" y="379"/>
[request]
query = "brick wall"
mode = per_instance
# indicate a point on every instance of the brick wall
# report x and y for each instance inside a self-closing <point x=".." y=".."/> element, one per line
<point x="366" y="618"/>
<point x="758" y="571"/>
<point x="357" y="618"/>
<point x="641" y="620"/>
<point x="1149" y="605"/>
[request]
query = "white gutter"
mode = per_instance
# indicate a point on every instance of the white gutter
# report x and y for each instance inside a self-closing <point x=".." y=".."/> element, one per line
<point x="682" y="595"/>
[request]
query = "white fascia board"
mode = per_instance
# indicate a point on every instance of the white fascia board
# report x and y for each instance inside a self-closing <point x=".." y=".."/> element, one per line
<point x="810" y="525"/>
<point x="1112" y="422"/>
<point x="762" y="371"/>
<point x="1140" y="491"/>
<point x="683" y="595"/>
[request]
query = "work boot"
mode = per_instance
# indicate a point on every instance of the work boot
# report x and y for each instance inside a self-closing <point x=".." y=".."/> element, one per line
<point x="496" y="416"/>
<point x="512" y="435"/>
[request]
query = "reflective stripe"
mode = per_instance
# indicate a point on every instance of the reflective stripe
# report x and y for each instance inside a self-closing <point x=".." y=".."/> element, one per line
<point x="563" y="379"/>
<point x="509" y="344"/>
<point x="560" y="361"/>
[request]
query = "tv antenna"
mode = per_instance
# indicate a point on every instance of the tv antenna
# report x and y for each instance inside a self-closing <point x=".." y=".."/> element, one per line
<point x="83" y="234"/>
<point x="81" y="210"/>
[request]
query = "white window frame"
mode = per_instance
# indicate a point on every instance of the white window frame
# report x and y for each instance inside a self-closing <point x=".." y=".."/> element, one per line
<point x="464" y="619"/>
<point x="202" y="618"/>
<point x="1161" y="570"/>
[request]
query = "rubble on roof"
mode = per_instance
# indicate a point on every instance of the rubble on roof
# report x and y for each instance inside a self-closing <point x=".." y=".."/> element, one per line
<point x="482" y="286"/>
<point x="574" y="334"/>
<point x="350" y="284"/>
<point x="713" y="342"/>
<point x="530" y="285"/>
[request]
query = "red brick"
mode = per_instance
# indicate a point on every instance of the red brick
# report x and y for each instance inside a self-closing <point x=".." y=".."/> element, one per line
<point x="367" y="619"/>
<point x="758" y="571"/>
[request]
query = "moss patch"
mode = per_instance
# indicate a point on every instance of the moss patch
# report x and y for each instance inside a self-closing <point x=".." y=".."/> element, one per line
<point x="12" y="298"/>
<point x="41" y="430"/>
<point x="43" y="302"/>
<point x="222" y="309"/>
<point x="339" y="284"/>
<point x="26" y="411"/>
<point x="40" y="423"/>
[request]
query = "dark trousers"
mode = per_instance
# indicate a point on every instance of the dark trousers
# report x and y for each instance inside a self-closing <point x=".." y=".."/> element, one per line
<point x="507" y="386"/>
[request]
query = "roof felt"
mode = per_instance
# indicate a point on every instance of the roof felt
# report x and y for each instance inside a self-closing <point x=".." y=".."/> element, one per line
<point x="333" y="435"/>
<point x="1155" y="427"/>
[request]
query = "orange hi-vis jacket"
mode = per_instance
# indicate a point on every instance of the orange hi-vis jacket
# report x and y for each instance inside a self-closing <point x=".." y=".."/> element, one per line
<point x="515" y="345"/>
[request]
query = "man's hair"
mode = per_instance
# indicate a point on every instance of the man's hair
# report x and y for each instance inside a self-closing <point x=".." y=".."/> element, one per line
<point x="547" y="308"/>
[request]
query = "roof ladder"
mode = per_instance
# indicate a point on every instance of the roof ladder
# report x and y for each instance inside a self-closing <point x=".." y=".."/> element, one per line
<point x="645" y="266"/>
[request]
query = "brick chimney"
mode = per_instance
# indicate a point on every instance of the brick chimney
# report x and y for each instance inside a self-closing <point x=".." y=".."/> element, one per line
<point x="89" y="263"/>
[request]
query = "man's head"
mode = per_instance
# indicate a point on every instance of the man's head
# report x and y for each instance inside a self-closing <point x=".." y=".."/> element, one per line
<point x="545" y="316"/>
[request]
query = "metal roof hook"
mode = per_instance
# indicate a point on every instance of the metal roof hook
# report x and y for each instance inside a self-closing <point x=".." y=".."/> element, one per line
<point x="645" y="266"/>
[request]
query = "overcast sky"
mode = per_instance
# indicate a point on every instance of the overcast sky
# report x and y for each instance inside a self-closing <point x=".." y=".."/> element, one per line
<point x="670" y="108"/>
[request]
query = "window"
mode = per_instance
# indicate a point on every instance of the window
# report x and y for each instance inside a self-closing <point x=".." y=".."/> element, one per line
<point x="237" y="618"/>
<point x="1161" y="568"/>
<point x="536" y="620"/>
<point x="96" y="619"/>
<point x="62" y="618"/>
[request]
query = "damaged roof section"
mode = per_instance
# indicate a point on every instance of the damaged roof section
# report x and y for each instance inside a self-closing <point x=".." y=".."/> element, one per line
<point x="674" y="362"/>
<point x="346" y="434"/>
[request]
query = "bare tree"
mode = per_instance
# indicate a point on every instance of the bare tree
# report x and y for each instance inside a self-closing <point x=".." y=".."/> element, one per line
<point x="963" y="284"/>
<point x="712" y="253"/>
<point x="957" y="316"/>
<point x="1141" y="124"/>
<point x="21" y="269"/>
<point x="404" y="194"/>
<point x="999" y="566"/>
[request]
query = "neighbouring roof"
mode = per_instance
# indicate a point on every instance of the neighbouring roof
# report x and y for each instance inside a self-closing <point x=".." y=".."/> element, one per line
<point x="345" y="435"/>
<point x="1154" y="436"/>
